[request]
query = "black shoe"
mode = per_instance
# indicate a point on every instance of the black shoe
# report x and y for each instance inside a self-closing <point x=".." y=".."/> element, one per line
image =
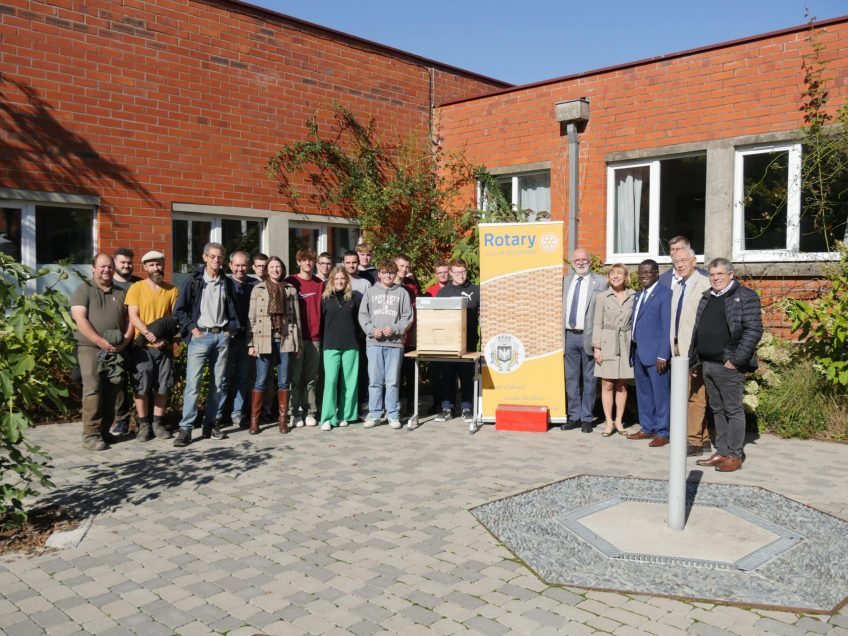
<point x="121" y="428"/>
<point x="109" y="438"/>
<point x="144" y="433"/>
<point x="160" y="431"/>
<point x="216" y="431"/>
<point x="183" y="437"/>
<point x="586" y="427"/>
<point x="707" y="447"/>
<point x="570" y="425"/>
<point x="694" y="451"/>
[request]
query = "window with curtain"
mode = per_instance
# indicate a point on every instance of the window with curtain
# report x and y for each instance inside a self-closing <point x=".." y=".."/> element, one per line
<point x="652" y="201"/>
<point x="528" y="191"/>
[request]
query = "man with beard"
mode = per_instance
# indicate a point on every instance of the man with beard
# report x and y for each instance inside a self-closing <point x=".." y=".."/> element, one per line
<point x="123" y="279"/>
<point x="152" y="359"/>
<point x="103" y="332"/>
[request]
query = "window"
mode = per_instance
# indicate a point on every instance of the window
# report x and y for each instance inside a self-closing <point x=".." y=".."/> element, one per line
<point x="321" y="237"/>
<point x="525" y="191"/>
<point x="60" y="237"/>
<point x="190" y="233"/>
<point x="769" y="222"/>
<point x="651" y="202"/>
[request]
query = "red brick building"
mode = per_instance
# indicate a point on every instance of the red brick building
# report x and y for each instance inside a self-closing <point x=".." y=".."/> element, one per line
<point x="148" y="124"/>
<point x="669" y="146"/>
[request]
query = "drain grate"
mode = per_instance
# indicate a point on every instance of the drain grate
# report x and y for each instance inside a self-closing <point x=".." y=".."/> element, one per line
<point x="785" y="541"/>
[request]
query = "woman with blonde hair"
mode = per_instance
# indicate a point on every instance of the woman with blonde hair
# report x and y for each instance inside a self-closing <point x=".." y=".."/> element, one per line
<point x="274" y="333"/>
<point x="611" y="344"/>
<point x="339" y="324"/>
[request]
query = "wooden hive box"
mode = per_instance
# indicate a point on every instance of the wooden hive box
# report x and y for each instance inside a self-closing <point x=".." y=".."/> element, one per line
<point x="441" y="325"/>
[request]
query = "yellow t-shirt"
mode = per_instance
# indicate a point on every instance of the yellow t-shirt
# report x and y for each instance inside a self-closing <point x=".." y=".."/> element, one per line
<point x="152" y="304"/>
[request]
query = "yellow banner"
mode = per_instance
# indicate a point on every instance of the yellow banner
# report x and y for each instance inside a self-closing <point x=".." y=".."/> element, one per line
<point x="521" y="316"/>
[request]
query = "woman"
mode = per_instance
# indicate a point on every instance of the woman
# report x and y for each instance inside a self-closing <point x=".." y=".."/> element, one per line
<point x="611" y="343"/>
<point x="274" y="323"/>
<point x="339" y="311"/>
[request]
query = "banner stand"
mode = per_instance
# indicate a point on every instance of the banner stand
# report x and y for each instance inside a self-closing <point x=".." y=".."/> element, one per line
<point x="521" y="268"/>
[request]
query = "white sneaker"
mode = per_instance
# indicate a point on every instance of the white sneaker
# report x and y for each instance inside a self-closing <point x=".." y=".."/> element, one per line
<point x="393" y="423"/>
<point x="369" y="423"/>
<point x="326" y="426"/>
<point x="311" y="421"/>
<point x="343" y="423"/>
<point x="298" y="422"/>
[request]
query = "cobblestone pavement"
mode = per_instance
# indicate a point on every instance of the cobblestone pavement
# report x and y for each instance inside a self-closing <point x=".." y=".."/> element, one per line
<point x="356" y="531"/>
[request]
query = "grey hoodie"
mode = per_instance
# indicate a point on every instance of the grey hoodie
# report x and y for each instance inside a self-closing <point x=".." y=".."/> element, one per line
<point x="385" y="307"/>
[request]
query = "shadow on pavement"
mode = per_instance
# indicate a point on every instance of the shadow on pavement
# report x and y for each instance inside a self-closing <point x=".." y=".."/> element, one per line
<point x="138" y="481"/>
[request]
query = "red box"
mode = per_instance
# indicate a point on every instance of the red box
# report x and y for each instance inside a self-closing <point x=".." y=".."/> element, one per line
<point x="519" y="417"/>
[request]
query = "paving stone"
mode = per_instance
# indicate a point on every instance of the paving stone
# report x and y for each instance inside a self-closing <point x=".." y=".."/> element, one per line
<point x="777" y="627"/>
<point x="703" y="629"/>
<point x="482" y="625"/>
<point x="420" y="615"/>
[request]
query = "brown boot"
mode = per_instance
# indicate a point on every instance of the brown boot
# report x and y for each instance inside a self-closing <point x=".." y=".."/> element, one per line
<point x="255" y="410"/>
<point x="283" y="399"/>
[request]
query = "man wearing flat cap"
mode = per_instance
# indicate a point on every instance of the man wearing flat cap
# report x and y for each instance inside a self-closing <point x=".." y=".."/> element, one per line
<point x="152" y="358"/>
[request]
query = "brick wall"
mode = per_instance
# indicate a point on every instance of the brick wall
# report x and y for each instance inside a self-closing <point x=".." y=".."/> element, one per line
<point x="149" y="103"/>
<point x="747" y="88"/>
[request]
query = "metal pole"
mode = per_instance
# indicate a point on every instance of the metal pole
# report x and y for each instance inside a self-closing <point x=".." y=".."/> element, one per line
<point x="677" y="443"/>
<point x="573" y="180"/>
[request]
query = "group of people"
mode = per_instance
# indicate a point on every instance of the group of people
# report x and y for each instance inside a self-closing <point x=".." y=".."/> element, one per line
<point x="336" y="337"/>
<point x="617" y="335"/>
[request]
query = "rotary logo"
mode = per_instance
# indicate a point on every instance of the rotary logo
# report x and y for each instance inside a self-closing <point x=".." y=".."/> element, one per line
<point x="549" y="242"/>
<point x="504" y="353"/>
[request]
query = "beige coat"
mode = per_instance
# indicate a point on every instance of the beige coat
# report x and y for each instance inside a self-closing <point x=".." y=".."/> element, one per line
<point x="611" y="334"/>
<point x="259" y="322"/>
<point x="695" y="287"/>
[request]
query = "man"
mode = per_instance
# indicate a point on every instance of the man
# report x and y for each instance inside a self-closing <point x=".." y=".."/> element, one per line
<point x="304" y="368"/>
<point x="325" y="264"/>
<point x="649" y="353"/>
<point x="350" y="261"/>
<point x="385" y="314"/>
<point x="728" y="326"/>
<point x="241" y="365"/>
<point x="260" y="262"/>
<point x="122" y="279"/>
<point x="578" y="316"/>
<point x="686" y="295"/>
<point x="461" y="286"/>
<point x="365" y="253"/>
<point x="207" y="316"/>
<point x="437" y="369"/>
<point x="103" y="332"/>
<point x="677" y="245"/>
<point x="152" y="358"/>
<point x="406" y="279"/>
<point x="442" y="273"/>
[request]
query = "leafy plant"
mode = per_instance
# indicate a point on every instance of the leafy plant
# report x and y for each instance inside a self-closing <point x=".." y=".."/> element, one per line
<point x="823" y="322"/>
<point x="36" y="350"/>
<point x="404" y="195"/>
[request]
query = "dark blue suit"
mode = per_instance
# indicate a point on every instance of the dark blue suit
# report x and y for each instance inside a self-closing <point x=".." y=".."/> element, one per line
<point x="650" y="341"/>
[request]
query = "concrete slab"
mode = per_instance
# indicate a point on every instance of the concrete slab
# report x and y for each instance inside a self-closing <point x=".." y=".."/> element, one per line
<point x="711" y="534"/>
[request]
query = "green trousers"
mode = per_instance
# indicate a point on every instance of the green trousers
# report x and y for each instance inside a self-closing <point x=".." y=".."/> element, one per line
<point x="341" y="370"/>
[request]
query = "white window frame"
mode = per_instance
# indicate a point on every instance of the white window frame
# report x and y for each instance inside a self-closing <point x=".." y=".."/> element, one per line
<point x="653" y="165"/>
<point x="515" y="188"/>
<point x="793" y="208"/>
<point x="59" y="201"/>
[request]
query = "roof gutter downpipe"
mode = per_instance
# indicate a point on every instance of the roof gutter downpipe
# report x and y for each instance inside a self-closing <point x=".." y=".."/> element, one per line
<point x="573" y="116"/>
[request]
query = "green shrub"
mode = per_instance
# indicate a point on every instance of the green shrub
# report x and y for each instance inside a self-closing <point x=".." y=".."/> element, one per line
<point x="36" y="352"/>
<point x="800" y="402"/>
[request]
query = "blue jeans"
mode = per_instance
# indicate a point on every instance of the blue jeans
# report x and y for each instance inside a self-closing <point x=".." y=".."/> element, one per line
<point x="263" y="368"/>
<point x="383" y="373"/>
<point x="239" y="371"/>
<point x="211" y="348"/>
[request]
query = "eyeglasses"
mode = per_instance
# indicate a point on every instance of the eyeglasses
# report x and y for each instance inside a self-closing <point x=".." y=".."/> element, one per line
<point x="459" y="272"/>
<point x="215" y="257"/>
<point x="581" y="260"/>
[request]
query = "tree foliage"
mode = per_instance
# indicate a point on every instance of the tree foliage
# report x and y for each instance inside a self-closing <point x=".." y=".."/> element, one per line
<point x="825" y="155"/>
<point x="36" y="350"/>
<point x="406" y="196"/>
